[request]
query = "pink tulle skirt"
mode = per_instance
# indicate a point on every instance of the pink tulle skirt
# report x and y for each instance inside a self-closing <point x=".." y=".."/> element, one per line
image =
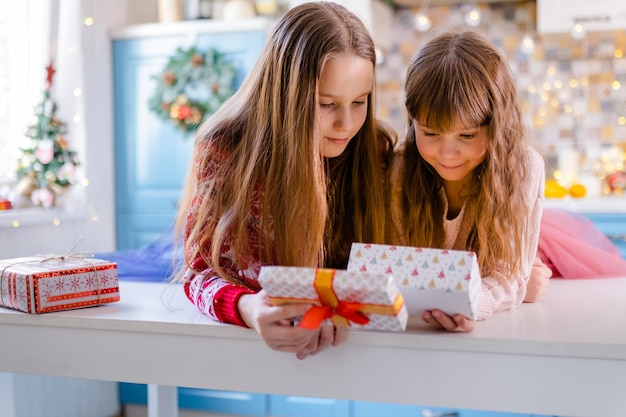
<point x="572" y="247"/>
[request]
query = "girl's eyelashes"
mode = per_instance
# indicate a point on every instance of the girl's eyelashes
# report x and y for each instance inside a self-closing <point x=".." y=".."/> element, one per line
<point x="464" y="135"/>
<point x="468" y="135"/>
<point x="356" y="103"/>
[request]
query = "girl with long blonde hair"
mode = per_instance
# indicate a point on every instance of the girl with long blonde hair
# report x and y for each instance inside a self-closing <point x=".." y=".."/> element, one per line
<point x="289" y="171"/>
<point x="466" y="177"/>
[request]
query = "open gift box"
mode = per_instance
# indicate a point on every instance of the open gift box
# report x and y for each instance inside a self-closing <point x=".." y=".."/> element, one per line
<point x="356" y="299"/>
<point x="448" y="280"/>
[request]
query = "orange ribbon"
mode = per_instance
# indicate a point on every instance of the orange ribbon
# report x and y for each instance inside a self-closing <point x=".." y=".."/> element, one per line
<point x="342" y="313"/>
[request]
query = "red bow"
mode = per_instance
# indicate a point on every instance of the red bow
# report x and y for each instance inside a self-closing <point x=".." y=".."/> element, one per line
<point x="314" y="316"/>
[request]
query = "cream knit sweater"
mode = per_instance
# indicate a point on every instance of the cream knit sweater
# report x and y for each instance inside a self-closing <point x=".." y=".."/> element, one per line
<point x="499" y="292"/>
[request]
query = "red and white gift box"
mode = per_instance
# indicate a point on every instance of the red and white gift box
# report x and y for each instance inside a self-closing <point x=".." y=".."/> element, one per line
<point x="448" y="280"/>
<point x="359" y="300"/>
<point x="42" y="284"/>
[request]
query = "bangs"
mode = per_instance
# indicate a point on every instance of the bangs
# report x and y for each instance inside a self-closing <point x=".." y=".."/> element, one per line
<point x="447" y="93"/>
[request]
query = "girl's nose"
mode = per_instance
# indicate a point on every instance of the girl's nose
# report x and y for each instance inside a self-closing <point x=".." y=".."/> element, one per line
<point x="344" y="120"/>
<point x="449" y="147"/>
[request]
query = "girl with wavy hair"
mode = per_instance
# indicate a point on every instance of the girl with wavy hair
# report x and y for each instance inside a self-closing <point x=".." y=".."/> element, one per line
<point x="289" y="171"/>
<point x="466" y="177"/>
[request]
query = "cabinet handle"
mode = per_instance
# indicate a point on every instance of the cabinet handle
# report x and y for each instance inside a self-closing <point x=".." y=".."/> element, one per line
<point x="430" y="413"/>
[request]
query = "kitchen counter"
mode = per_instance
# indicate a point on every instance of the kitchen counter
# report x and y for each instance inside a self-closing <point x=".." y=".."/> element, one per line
<point x="609" y="204"/>
<point x="564" y="356"/>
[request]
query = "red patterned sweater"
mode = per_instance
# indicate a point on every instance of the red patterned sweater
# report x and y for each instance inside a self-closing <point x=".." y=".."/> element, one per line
<point x="212" y="294"/>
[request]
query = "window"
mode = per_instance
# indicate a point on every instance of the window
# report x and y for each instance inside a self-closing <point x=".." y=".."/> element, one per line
<point x="22" y="73"/>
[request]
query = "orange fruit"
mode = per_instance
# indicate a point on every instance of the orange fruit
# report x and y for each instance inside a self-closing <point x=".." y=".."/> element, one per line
<point x="554" y="190"/>
<point x="577" y="190"/>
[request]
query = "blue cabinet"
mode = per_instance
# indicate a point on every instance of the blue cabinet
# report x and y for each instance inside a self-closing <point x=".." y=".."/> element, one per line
<point x="376" y="409"/>
<point x="152" y="156"/>
<point x="225" y="402"/>
<point x="242" y="403"/>
<point x="294" y="406"/>
<point x="262" y="405"/>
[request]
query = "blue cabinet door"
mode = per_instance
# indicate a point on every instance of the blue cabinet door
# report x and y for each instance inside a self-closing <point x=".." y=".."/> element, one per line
<point x="475" y="413"/>
<point x="377" y="409"/>
<point x="223" y="402"/>
<point x="294" y="406"/>
<point x="152" y="156"/>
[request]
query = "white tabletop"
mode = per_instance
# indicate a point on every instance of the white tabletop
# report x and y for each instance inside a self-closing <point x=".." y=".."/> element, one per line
<point x="565" y="355"/>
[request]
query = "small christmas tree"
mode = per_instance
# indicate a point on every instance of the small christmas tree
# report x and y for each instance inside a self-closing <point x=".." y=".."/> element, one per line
<point x="47" y="166"/>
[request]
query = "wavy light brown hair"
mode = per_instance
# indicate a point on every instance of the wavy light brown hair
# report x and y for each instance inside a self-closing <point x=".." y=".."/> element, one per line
<point x="312" y="207"/>
<point x="462" y="76"/>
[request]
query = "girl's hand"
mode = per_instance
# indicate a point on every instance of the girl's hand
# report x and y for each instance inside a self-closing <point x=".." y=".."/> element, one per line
<point x="327" y="335"/>
<point x="538" y="282"/>
<point x="455" y="323"/>
<point x="275" y="325"/>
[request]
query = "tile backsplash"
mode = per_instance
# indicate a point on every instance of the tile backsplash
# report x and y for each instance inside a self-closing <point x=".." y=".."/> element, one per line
<point x="573" y="86"/>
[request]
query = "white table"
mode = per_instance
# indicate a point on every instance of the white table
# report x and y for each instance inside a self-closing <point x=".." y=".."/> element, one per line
<point x="564" y="356"/>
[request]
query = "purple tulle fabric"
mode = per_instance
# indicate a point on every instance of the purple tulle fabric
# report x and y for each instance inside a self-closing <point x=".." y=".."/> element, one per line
<point x="572" y="246"/>
<point x="154" y="262"/>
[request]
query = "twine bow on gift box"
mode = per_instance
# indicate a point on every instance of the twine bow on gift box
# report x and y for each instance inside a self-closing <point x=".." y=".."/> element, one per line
<point x="41" y="259"/>
<point x="341" y="313"/>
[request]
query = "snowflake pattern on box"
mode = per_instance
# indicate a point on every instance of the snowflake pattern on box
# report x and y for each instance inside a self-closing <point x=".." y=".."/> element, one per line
<point x="42" y="285"/>
<point x="428" y="278"/>
<point x="297" y="283"/>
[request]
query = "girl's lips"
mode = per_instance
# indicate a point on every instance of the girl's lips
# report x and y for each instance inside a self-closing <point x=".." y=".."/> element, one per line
<point x="337" y="140"/>
<point x="450" y="167"/>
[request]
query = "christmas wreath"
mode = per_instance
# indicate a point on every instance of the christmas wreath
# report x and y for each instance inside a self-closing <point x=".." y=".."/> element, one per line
<point x="191" y="86"/>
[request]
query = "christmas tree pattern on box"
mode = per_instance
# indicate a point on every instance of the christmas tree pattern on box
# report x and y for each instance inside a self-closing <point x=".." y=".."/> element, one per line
<point x="448" y="280"/>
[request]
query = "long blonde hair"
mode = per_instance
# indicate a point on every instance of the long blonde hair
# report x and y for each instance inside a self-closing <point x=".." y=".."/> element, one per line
<point x="311" y="208"/>
<point x="462" y="76"/>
